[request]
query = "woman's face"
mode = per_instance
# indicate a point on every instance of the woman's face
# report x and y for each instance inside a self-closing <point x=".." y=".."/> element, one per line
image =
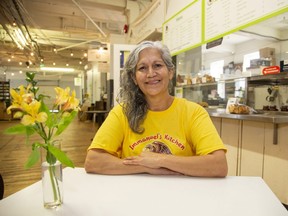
<point x="152" y="75"/>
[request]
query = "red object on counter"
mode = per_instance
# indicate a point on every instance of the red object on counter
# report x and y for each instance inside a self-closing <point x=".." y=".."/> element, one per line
<point x="271" y="70"/>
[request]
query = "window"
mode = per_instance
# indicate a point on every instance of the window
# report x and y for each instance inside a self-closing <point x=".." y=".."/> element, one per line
<point x="216" y="68"/>
<point x="248" y="57"/>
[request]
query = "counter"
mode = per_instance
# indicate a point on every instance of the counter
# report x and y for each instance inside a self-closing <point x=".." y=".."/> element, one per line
<point x="256" y="146"/>
<point x="269" y="116"/>
<point x="275" y="117"/>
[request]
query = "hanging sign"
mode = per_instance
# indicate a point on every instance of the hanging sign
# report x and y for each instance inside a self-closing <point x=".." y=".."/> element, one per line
<point x="214" y="43"/>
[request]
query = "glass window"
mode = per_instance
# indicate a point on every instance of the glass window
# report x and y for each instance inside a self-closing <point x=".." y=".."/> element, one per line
<point x="216" y="68"/>
<point x="248" y="58"/>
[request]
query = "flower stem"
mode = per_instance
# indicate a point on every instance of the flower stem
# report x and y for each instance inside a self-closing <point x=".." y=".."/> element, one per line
<point x="54" y="182"/>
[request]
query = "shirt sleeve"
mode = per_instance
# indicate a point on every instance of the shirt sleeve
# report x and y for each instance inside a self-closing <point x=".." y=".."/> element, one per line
<point x="110" y="135"/>
<point x="203" y="134"/>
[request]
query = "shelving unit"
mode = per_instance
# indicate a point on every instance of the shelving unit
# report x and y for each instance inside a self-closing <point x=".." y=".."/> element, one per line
<point x="5" y="91"/>
<point x="4" y="99"/>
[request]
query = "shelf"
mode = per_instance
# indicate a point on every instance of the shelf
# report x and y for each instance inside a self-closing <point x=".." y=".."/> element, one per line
<point x="197" y="85"/>
<point x="5" y="90"/>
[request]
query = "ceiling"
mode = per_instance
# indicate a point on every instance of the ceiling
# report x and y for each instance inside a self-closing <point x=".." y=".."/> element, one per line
<point x="54" y="29"/>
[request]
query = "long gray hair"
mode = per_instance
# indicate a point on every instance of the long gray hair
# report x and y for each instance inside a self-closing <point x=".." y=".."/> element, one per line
<point x="134" y="103"/>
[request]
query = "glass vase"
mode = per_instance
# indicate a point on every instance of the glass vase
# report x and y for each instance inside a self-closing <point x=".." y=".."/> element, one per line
<point x="52" y="177"/>
<point x="52" y="184"/>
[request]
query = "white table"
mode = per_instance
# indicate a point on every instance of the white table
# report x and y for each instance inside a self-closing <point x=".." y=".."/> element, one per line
<point x="137" y="195"/>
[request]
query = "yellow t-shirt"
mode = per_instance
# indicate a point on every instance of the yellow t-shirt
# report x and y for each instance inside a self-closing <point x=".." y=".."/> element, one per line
<point x="184" y="129"/>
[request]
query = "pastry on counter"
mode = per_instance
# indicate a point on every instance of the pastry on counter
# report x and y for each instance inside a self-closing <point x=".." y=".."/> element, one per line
<point x="238" y="109"/>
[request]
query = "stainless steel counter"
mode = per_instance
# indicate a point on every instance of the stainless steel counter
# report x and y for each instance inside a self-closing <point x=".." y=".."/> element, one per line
<point x="274" y="117"/>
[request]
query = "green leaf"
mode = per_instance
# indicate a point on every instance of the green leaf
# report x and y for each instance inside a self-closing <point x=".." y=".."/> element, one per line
<point x="60" y="155"/>
<point x="30" y="130"/>
<point x="50" y="158"/>
<point x="30" y="75"/>
<point x="17" y="129"/>
<point x="65" y="121"/>
<point x="33" y="158"/>
<point x="44" y="108"/>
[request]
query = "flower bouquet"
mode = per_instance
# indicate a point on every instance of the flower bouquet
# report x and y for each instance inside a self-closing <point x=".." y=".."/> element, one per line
<point x="37" y="118"/>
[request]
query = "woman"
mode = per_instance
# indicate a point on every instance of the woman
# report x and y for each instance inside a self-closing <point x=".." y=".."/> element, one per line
<point x="152" y="131"/>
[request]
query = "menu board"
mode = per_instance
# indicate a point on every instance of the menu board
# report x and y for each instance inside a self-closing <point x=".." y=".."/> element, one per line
<point x="203" y="21"/>
<point x="223" y="16"/>
<point x="184" y="30"/>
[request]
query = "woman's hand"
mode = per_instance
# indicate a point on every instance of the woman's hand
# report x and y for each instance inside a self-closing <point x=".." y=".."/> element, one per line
<point x="211" y="165"/>
<point x="150" y="160"/>
<point x="147" y="159"/>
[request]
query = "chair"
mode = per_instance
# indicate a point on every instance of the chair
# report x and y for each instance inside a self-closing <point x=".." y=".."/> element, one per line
<point x="1" y="187"/>
<point x="100" y="106"/>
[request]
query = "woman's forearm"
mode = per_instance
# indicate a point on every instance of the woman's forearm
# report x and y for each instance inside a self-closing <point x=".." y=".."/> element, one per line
<point x="211" y="165"/>
<point x="101" y="162"/>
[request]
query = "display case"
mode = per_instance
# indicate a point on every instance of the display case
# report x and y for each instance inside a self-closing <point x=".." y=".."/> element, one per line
<point x="214" y="94"/>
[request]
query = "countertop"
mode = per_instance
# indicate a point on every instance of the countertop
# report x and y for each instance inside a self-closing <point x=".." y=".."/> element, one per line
<point x="276" y="117"/>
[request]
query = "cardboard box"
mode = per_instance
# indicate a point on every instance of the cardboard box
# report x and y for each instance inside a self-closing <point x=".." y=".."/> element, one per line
<point x="273" y="61"/>
<point x="267" y="52"/>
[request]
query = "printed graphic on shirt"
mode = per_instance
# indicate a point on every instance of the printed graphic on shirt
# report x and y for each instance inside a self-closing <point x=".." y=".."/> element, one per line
<point x="157" y="147"/>
<point x="159" y="143"/>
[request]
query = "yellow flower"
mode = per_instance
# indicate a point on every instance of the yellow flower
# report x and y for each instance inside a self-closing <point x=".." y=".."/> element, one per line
<point x="13" y="106"/>
<point x="16" y="97"/>
<point x="72" y="103"/>
<point x="19" y="97"/>
<point x="62" y="95"/>
<point x="33" y="114"/>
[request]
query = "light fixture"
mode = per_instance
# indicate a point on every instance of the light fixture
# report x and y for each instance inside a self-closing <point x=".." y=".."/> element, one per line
<point x="21" y="38"/>
<point x="54" y="69"/>
<point x="20" y="63"/>
<point x="71" y="54"/>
